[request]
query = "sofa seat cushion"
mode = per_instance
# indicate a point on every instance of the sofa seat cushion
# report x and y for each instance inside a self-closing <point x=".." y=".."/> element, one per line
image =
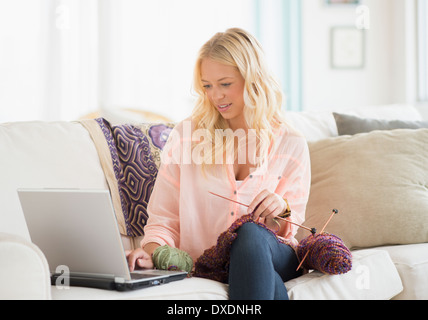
<point x="411" y="262"/>
<point x="373" y="277"/>
<point x="187" y="289"/>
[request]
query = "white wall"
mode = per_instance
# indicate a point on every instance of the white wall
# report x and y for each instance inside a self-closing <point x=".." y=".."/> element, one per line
<point x="152" y="48"/>
<point x="387" y="76"/>
<point x="55" y="71"/>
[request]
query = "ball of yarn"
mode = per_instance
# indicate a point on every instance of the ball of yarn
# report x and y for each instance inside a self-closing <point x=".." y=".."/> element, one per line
<point x="168" y="258"/>
<point x="327" y="254"/>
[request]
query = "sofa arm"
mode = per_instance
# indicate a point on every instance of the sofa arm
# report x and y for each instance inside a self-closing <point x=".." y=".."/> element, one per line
<point x="24" y="271"/>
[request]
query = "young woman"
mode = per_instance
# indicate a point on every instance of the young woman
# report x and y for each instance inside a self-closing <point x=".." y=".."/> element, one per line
<point x="237" y="145"/>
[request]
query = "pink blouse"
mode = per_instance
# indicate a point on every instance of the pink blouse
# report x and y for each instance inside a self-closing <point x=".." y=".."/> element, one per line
<point x="182" y="212"/>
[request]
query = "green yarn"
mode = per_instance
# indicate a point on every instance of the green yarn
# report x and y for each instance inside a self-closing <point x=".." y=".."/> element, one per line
<point x="168" y="258"/>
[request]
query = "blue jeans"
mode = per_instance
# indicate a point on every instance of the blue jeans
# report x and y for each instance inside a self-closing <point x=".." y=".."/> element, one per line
<point x="259" y="265"/>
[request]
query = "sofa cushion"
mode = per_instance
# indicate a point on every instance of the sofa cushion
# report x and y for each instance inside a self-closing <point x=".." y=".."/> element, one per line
<point x="349" y="125"/>
<point x="385" y="112"/>
<point x="43" y="155"/>
<point x="373" y="277"/>
<point x="187" y="289"/>
<point x="411" y="262"/>
<point x="313" y="125"/>
<point x="130" y="157"/>
<point x="379" y="183"/>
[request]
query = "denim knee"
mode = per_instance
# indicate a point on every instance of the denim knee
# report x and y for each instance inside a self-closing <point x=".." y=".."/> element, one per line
<point x="249" y="230"/>
<point x="251" y="240"/>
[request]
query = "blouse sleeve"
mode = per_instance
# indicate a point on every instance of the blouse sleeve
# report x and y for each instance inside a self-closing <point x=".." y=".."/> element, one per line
<point x="295" y="183"/>
<point x="163" y="224"/>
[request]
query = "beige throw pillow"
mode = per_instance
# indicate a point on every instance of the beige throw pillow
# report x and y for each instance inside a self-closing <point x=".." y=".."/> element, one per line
<point x="379" y="183"/>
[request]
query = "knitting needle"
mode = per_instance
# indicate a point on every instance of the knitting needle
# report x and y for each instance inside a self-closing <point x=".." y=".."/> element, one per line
<point x="303" y="227"/>
<point x="335" y="211"/>
<point x="229" y="199"/>
<point x="313" y="230"/>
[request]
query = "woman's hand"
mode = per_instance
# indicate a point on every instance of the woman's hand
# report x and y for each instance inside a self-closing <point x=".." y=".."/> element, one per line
<point x="267" y="205"/>
<point x="139" y="259"/>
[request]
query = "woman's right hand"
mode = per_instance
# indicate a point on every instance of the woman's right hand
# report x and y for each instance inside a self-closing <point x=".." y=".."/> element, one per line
<point x="139" y="259"/>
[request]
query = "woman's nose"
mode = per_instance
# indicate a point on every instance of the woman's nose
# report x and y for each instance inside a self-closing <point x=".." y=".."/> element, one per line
<point x="217" y="95"/>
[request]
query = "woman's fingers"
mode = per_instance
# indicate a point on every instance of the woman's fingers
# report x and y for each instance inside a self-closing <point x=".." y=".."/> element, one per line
<point x="266" y="205"/>
<point x="139" y="258"/>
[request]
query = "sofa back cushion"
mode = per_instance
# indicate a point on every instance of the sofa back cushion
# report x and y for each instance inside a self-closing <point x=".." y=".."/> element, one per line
<point x="130" y="155"/>
<point x="43" y="155"/>
<point x="379" y="183"/>
<point x="349" y="125"/>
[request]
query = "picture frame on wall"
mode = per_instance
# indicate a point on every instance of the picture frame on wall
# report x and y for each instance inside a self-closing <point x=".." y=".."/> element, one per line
<point x="347" y="47"/>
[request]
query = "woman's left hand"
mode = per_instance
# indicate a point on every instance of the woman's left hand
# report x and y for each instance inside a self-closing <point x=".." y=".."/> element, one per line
<point x="267" y="205"/>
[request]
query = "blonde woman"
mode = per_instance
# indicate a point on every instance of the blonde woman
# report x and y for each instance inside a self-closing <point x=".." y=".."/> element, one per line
<point x="235" y="144"/>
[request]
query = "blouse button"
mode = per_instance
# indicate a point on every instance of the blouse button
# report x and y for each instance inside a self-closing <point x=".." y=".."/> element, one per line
<point x="235" y="192"/>
<point x="232" y="213"/>
<point x="251" y="176"/>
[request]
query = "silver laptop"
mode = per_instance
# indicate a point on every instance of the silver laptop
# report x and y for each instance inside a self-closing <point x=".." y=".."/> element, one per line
<point x="78" y="233"/>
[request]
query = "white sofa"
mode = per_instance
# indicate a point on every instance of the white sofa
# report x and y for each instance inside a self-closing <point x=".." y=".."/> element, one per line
<point x="63" y="155"/>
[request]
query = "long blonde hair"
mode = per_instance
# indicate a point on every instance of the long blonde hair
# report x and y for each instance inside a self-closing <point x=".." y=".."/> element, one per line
<point x="262" y="94"/>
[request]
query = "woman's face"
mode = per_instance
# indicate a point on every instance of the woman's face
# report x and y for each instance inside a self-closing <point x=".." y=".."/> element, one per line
<point x="224" y="86"/>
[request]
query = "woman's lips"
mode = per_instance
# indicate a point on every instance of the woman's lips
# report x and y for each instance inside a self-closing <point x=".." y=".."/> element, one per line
<point x="224" y="107"/>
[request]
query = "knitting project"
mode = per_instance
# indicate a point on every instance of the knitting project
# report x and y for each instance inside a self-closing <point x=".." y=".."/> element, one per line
<point x="214" y="262"/>
<point x="327" y="254"/>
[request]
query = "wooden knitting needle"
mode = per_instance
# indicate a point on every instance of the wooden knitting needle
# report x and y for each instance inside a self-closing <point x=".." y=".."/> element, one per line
<point x="313" y="230"/>
<point x="335" y="211"/>
<point x="217" y="195"/>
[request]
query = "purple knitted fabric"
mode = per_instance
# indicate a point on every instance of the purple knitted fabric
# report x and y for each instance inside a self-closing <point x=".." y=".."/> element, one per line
<point x="214" y="262"/>
<point x="327" y="254"/>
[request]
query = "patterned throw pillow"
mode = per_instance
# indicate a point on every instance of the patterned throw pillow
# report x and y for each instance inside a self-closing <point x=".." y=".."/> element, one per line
<point x="136" y="153"/>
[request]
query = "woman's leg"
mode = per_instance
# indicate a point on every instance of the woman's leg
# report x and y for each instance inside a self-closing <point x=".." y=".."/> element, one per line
<point x="259" y="265"/>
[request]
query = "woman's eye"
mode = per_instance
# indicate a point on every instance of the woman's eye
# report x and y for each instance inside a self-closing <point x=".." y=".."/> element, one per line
<point x="226" y="84"/>
<point x="207" y="86"/>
